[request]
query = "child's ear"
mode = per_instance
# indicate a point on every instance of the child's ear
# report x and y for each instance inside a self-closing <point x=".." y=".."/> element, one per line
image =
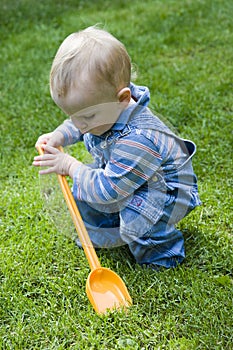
<point x="124" y="95"/>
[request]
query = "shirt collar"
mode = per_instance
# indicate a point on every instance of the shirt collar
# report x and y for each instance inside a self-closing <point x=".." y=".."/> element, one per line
<point x="141" y="96"/>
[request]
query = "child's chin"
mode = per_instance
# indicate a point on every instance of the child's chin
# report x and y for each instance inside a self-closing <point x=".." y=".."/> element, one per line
<point x="98" y="131"/>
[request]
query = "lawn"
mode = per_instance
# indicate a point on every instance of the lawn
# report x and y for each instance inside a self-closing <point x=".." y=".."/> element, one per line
<point x="183" y="51"/>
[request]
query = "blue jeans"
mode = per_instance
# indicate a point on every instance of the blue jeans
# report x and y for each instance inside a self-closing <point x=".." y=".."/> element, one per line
<point x="162" y="245"/>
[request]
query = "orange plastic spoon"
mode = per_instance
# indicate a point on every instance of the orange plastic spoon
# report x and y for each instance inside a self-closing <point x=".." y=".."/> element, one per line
<point x="104" y="288"/>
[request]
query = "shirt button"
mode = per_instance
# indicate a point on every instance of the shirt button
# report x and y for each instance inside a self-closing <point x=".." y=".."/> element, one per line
<point x="154" y="178"/>
<point x="103" y="144"/>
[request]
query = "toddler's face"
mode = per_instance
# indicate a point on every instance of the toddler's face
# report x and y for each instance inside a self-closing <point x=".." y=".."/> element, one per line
<point x="97" y="119"/>
<point x="90" y="113"/>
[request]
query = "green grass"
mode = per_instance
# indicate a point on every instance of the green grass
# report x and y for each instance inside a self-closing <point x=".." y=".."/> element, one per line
<point x="183" y="51"/>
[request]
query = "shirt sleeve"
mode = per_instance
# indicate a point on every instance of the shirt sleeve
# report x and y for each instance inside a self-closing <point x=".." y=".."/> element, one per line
<point x="70" y="132"/>
<point x="133" y="162"/>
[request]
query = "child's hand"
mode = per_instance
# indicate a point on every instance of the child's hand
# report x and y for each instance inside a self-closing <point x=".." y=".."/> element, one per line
<point x="54" y="139"/>
<point x="56" y="162"/>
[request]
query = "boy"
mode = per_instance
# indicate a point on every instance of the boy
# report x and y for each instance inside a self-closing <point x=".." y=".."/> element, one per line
<point x="141" y="182"/>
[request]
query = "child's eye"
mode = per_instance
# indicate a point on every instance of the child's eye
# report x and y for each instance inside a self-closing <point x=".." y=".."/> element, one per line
<point x="90" y="117"/>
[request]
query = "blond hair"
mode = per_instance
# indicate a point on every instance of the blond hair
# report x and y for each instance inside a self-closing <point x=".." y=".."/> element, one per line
<point x="90" y="56"/>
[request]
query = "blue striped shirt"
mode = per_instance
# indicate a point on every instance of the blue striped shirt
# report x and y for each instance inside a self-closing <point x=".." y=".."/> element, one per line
<point x="136" y="163"/>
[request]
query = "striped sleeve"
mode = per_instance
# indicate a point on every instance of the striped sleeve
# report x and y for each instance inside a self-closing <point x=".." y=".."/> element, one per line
<point x="132" y="163"/>
<point x="70" y="132"/>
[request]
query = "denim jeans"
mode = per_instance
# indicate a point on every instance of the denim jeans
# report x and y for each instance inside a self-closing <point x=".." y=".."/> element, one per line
<point x="162" y="245"/>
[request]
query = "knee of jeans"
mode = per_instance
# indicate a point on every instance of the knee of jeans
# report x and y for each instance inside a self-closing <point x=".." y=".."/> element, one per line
<point x="161" y="248"/>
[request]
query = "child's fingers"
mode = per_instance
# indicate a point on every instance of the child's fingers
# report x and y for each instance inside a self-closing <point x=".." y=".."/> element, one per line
<point x="50" y="149"/>
<point x="43" y="139"/>
<point x="40" y="142"/>
<point x="46" y="160"/>
<point x="46" y="156"/>
<point x="54" y="161"/>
